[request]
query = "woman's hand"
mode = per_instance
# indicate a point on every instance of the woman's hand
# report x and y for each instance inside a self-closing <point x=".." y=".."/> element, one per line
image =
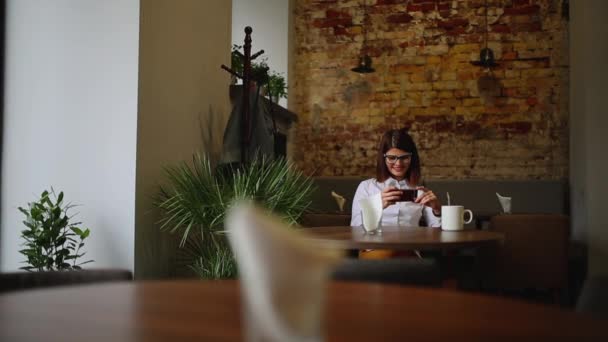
<point x="429" y="199"/>
<point x="390" y="195"/>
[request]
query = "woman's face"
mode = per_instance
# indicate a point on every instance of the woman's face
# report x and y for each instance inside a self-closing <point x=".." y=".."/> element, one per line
<point x="398" y="162"/>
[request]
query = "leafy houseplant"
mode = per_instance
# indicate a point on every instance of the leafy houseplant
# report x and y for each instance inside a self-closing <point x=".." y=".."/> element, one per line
<point x="275" y="82"/>
<point x="52" y="242"/>
<point x="277" y="88"/>
<point x="198" y="196"/>
<point x="259" y="70"/>
<point x="236" y="62"/>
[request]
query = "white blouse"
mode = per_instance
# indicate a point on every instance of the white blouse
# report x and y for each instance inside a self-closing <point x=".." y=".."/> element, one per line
<point x="398" y="214"/>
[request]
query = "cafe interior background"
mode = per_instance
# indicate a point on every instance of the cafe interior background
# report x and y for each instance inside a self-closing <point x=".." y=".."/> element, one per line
<point x="99" y="96"/>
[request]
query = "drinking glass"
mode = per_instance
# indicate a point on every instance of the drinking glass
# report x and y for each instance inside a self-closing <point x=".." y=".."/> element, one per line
<point x="371" y="222"/>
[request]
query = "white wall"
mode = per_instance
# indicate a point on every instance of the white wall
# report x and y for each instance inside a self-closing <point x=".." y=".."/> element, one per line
<point x="269" y="21"/>
<point x="70" y="119"/>
<point x="589" y="124"/>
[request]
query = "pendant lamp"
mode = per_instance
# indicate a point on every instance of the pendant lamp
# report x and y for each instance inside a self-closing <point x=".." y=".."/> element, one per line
<point x="486" y="55"/>
<point x="365" y="61"/>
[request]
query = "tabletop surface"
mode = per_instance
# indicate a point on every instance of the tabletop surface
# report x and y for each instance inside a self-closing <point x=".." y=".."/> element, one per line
<point x="210" y="310"/>
<point x="402" y="238"/>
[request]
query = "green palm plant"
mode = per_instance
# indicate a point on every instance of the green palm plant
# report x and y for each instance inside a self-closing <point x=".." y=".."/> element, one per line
<point x="198" y="195"/>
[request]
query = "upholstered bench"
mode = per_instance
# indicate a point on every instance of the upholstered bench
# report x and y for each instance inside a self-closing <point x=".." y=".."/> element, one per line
<point x="528" y="196"/>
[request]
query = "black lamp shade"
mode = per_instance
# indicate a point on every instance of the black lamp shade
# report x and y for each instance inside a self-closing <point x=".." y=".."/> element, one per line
<point x="486" y="58"/>
<point x="364" y="66"/>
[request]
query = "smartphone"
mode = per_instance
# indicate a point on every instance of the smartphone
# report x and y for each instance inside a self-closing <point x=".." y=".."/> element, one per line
<point x="408" y="195"/>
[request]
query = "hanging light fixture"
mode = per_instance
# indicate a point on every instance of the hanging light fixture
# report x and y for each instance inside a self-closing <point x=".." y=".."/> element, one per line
<point x="365" y="61"/>
<point x="486" y="55"/>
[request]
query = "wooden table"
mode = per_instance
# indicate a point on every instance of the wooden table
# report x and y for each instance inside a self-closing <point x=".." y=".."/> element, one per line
<point x="210" y="311"/>
<point x="402" y="238"/>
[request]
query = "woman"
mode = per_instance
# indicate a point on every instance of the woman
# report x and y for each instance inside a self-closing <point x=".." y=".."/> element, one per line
<point x="397" y="168"/>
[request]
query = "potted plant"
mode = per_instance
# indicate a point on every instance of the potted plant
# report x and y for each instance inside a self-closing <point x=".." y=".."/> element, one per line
<point x="198" y="195"/>
<point x="277" y="87"/>
<point x="259" y="70"/>
<point x="52" y="242"/>
<point x="236" y="61"/>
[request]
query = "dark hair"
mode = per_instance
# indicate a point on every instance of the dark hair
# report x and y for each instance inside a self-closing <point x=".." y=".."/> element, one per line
<point x="398" y="138"/>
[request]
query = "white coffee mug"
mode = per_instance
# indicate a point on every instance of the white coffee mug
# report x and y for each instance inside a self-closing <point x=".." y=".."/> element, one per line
<point x="452" y="217"/>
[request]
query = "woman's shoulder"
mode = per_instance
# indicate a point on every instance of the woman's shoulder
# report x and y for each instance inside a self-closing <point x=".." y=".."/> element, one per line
<point x="370" y="182"/>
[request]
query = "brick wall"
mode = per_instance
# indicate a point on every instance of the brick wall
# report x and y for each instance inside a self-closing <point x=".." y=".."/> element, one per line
<point x="511" y="123"/>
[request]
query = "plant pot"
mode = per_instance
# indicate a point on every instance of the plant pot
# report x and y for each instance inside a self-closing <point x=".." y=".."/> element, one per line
<point x="26" y="280"/>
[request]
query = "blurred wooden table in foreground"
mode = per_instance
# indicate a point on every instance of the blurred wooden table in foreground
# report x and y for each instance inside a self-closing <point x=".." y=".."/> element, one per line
<point x="210" y="310"/>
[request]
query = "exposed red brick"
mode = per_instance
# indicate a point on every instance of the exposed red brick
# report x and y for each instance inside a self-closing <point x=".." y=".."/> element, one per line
<point x="467" y="128"/>
<point x="429" y="118"/>
<point x="461" y="93"/>
<point x="519" y="127"/>
<point x="502" y="28"/>
<point x="508" y="92"/>
<point x="428" y="7"/>
<point x="451" y="24"/>
<point x="444" y="14"/>
<point x="501" y="102"/>
<point x="439" y="98"/>
<point x="340" y="31"/>
<point x="414" y="8"/>
<point x="402" y="18"/>
<point x="323" y="23"/>
<point x="528" y="27"/>
<point x="443" y="126"/>
<point x="466" y="75"/>
<point x="540" y="62"/>
<point x="444" y="6"/>
<point x="532" y="9"/>
<point x="333" y="14"/>
<point x="532" y="101"/>
<point x="456" y="31"/>
<point x="521" y="2"/>
<point x="389" y="2"/>
<point x="509" y="55"/>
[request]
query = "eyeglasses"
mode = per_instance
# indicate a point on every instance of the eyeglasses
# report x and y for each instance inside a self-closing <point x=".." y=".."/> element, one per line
<point x="392" y="159"/>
